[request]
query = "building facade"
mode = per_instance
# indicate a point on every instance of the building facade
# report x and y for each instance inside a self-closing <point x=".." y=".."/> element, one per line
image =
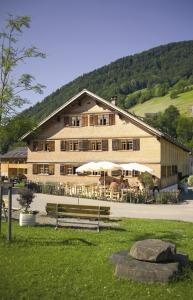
<point x="88" y="128"/>
<point x="14" y="163"/>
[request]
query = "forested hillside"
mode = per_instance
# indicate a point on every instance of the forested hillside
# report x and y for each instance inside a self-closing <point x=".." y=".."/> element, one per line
<point x="161" y="67"/>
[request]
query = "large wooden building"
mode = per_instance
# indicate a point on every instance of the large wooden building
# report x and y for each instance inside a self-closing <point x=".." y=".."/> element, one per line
<point x="88" y="128"/>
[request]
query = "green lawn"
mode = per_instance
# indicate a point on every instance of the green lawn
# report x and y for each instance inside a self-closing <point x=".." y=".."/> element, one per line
<point x="184" y="102"/>
<point x="42" y="263"/>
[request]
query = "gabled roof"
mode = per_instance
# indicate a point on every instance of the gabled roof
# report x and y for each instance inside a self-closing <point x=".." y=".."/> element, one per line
<point x="136" y="120"/>
<point x="20" y="152"/>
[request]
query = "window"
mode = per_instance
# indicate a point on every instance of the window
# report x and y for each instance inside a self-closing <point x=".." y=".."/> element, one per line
<point x="125" y="145"/>
<point x="69" y="145"/>
<point x="167" y="171"/>
<point x="76" y="121"/>
<point x="50" y="146"/>
<point x="44" y="169"/>
<point x="38" y="146"/>
<point x="43" y="146"/>
<point x="133" y="173"/>
<point x="67" y="169"/>
<point x="163" y="171"/>
<point x="95" y="145"/>
<point x="102" y="119"/>
<point x="174" y="170"/>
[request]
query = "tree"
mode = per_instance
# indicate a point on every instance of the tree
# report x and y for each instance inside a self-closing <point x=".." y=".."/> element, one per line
<point x="10" y="56"/>
<point x="185" y="129"/>
<point x="13" y="130"/>
<point x="169" y="119"/>
<point x="173" y="94"/>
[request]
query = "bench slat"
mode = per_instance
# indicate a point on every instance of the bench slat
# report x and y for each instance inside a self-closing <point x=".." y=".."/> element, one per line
<point x="81" y="216"/>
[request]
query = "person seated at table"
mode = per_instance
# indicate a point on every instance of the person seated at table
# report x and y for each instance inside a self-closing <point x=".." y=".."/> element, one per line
<point x="126" y="184"/>
<point x="141" y="185"/>
<point x="114" y="186"/>
<point x="121" y="180"/>
<point x="156" y="184"/>
<point x="101" y="180"/>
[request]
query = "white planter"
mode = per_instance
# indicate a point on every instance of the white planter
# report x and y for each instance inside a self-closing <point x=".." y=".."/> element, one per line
<point x="27" y="219"/>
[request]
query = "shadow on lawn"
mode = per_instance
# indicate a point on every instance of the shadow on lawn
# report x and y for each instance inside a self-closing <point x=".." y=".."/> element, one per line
<point x="51" y="242"/>
<point x="83" y="227"/>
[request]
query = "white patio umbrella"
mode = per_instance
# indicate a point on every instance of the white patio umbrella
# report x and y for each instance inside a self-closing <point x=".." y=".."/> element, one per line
<point x="101" y="166"/>
<point x="136" y="167"/>
<point x="88" y="167"/>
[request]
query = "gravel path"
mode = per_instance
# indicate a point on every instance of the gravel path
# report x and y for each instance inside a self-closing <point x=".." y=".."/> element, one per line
<point x="182" y="211"/>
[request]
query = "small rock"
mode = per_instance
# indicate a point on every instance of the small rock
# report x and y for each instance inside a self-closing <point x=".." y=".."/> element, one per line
<point x="153" y="250"/>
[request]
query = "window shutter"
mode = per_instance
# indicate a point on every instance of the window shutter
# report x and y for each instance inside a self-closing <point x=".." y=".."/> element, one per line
<point x="66" y="121"/>
<point x="136" y="145"/>
<point x="63" y="145"/>
<point x="115" y="145"/>
<point x="163" y="171"/>
<point x="80" y="143"/>
<point x="74" y="170"/>
<point x="104" y="145"/>
<point x="85" y="145"/>
<point x="84" y="120"/>
<point x="35" y="169"/>
<point x="95" y="119"/>
<point x="67" y="145"/>
<point x="91" y="120"/>
<point x="112" y="119"/>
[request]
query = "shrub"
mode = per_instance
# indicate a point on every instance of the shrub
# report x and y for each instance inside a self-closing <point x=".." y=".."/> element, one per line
<point x="190" y="180"/>
<point x="146" y="178"/>
<point x="25" y="199"/>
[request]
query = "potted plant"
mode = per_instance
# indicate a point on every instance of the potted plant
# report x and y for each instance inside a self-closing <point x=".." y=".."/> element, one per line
<point x="27" y="216"/>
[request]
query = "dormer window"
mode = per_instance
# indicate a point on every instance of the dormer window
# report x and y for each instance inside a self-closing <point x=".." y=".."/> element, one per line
<point x="76" y="121"/>
<point x="103" y="119"/>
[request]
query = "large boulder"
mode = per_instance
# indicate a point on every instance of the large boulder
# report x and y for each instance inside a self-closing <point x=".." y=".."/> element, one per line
<point x="143" y="271"/>
<point x="153" y="250"/>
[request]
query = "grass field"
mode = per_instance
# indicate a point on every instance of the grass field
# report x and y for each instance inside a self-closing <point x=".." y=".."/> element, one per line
<point x="184" y="102"/>
<point x="42" y="263"/>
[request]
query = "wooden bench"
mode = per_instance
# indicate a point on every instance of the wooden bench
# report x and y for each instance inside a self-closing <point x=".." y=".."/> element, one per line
<point x="70" y="211"/>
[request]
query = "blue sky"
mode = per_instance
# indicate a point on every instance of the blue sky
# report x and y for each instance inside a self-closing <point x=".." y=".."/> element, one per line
<point x="79" y="36"/>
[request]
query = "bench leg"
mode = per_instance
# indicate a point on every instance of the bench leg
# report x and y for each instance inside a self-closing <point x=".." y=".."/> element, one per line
<point x="56" y="223"/>
<point x="98" y="226"/>
<point x="5" y="214"/>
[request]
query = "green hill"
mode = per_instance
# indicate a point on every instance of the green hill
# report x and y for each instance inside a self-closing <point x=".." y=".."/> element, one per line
<point x="184" y="103"/>
<point x="163" y="65"/>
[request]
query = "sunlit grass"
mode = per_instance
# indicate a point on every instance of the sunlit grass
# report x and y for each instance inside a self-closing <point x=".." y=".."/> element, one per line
<point x="43" y="263"/>
<point x="183" y="102"/>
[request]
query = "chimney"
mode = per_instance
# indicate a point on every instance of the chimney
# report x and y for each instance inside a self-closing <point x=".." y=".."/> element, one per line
<point x="114" y="100"/>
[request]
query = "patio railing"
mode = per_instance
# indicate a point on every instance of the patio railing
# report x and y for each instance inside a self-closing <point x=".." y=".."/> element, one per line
<point x="131" y="195"/>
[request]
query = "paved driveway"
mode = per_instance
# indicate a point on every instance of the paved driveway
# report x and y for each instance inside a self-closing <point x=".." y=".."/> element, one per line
<point x="182" y="211"/>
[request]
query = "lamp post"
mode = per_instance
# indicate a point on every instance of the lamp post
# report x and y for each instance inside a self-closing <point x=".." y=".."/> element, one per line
<point x="9" y="186"/>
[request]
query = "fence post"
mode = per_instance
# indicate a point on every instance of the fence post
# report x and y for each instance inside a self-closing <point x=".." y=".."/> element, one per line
<point x="9" y="234"/>
<point x="1" y="204"/>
